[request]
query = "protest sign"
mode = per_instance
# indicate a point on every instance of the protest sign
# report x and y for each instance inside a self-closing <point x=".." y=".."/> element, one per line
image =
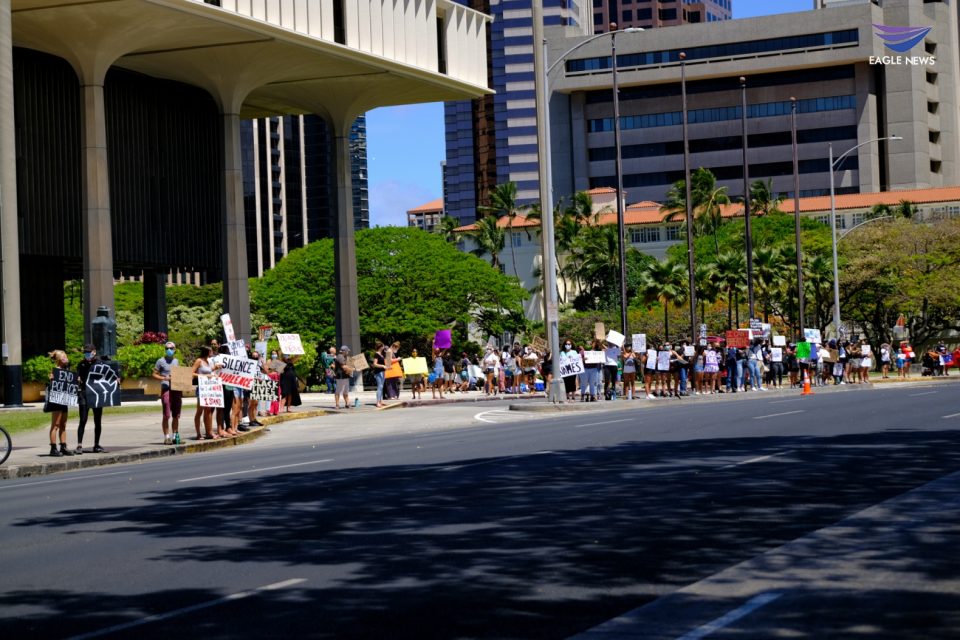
<point x="812" y="335"/>
<point x="663" y="361"/>
<point x="237" y="348"/>
<point x="756" y="325"/>
<point x="239" y="372"/>
<point x="265" y="332"/>
<point x="539" y="344"/>
<point x="779" y="341"/>
<point x="615" y="337"/>
<point x="766" y="329"/>
<point x="594" y="357"/>
<point x="210" y="392"/>
<point x="639" y="342"/>
<point x="359" y="362"/>
<point x="865" y="350"/>
<point x="63" y="388"/>
<point x="261" y="348"/>
<point x="395" y="370"/>
<point x="414" y="366"/>
<point x="611" y="355"/>
<point x="776" y="354"/>
<point x="599" y="331"/>
<point x="265" y="390"/>
<point x="738" y="339"/>
<point x="290" y="344"/>
<point x="689" y="351"/>
<point x="475" y="372"/>
<point x="103" y="386"/>
<point x="703" y="332"/>
<point x="228" y="331"/>
<point x="571" y="364"/>
<point x="181" y="378"/>
<point x="443" y="339"/>
<point x="651" y="358"/>
<point x="803" y="350"/>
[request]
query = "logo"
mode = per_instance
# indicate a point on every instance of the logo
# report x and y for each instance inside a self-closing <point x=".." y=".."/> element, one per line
<point x="901" y="39"/>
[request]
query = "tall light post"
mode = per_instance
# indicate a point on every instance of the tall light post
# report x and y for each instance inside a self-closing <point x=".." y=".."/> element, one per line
<point x="834" y="164"/>
<point x="621" y="232"/>
<point x="796" y="216"/>
<point x="748" y="236"/>
<point x="687" y="198"/>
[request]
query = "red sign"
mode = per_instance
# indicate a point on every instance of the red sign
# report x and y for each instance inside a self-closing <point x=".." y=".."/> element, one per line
<point x="738" y="339"/>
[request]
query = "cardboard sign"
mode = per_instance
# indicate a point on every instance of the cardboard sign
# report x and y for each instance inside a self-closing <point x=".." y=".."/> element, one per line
<point x="779" y="341"/>
<point x="63" y="388"/>
<point x="594" y="357"/>
<point x="239" y="372"/>
<point x="812" y="335"/>
<point x="615" y="337"/>
<point x="290" y="344"/>
<point x="210" y="392"/>
<point x="776" y="354"/>
<point x="689" y="351"/>
<point x="738" y="339"/>
<point x="265" y="390"/>
<point x="414" y="366"/>
<point x="539" y="344"/>
<point x="443" y="339"/>
<point x="228" y="332"/>
<point x="359" y="362"/>
<point x="599" y="331"/>
<point x="181" y="378"/>
<point x="265" y="332"/>
<point x="639" y="342"/>
<point x="237" y="348"/>
<point x="571" y="364"/>
<point x="103" y="386"/>
<point x="395" y="370"/>
<point x="663" y="361"/>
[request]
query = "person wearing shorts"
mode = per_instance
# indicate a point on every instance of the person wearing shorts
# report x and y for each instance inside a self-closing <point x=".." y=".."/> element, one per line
<point x="172" y="400"/>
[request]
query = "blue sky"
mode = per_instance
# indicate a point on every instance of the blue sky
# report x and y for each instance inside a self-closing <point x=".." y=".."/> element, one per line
<point x="405" y="144"/>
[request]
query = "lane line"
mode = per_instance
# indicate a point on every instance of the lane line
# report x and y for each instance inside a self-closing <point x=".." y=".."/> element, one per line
<point x="596" y="424"/>
<point x="786" y="401"/>
<point x="760" y="459"/>
<point x="233" y="597"/>
<point x="257" y="470"/>
<point x="952" y="415"/>
<point x="925" y="393"/>
<point x="70" y="479"/>
<point x="729" y="618"/>
<point x="776" y="415"/>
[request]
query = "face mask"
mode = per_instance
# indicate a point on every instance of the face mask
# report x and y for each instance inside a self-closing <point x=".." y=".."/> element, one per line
<point x="273" y="356"/>
<point x="169" y="353"/>
<point x="568" y="346"/>
<point x="87" y="355"/>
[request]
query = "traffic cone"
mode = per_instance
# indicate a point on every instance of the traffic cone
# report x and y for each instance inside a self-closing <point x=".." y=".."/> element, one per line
<point x="806" y="384"/>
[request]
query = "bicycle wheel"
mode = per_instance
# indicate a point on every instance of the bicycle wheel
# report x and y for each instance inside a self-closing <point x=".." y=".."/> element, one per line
<point x="6" y="445"/>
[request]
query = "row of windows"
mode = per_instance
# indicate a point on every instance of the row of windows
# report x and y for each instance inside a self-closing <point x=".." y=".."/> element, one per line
<point x="720" y="114"/>
<point x="807" y="41"/>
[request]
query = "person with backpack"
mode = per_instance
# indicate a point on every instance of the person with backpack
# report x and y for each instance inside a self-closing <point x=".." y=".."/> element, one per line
<point x="344" y="373"/>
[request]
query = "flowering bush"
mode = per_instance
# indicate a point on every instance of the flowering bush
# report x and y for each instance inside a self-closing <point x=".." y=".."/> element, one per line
<point x="151" y="337"/>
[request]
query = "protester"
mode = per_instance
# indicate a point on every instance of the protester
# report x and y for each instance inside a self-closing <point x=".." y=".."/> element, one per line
<point x="344" y="373"/>
<point x="416" y="380"/>
<point x="90" y="358"/>
<point x="491" y="363"/>
<point x="629" y="372"/>
<point x="886" y="356"/>
<point x="58" y="412"/>
<point x="203" y="367"/>
<point x="228" y="427"/>
<point x="380" y="369"/>
<point x="328" y="373"/>
<point x="289" y="386"/>
<point x="172" y="401"/>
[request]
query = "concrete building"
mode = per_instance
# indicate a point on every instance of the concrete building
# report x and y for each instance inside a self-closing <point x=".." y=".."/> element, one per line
<point x="849" y="84"/>
<point x="648" y="14"/>
<point x="427" y="216"/>
<point x="289" y="188"/>
<point x="123" y="153"/>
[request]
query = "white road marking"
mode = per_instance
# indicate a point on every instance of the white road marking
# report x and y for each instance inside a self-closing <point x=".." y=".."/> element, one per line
<point x="257" y="470"/>
<point x="484" y="413"/>
<point x="197" y="607"/>
<point x="952" y="415"/>
<point x="925" y="393"/>
<point x="776" y="415"/>
<point x="729" y="618"/>
<point x="596" y="424"/>
<point x="786" y="401"/>
<point x="760" y="459"/>
<point x="70" y="479"/>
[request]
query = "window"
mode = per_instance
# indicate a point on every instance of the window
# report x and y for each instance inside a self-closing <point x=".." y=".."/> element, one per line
<point x="934" y="137"/>
<point x="857" y="218"/>
<point x="640" y="235"/>
<point x="673" y="232"/>
<point x="517" y="239"/>
<point x="935" y="166"/>
<point x="823" y="220"/>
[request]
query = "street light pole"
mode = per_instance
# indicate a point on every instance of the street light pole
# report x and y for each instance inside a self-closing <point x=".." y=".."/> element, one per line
<point x="796" y="216"/>
<point x="833" y="221"/>
<point x="621" y="234"/>
<point x="746" y="195"/>
<point x="687" y="198"/>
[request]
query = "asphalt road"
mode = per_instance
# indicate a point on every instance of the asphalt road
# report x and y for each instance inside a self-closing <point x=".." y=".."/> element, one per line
<point x="749" y="517"/>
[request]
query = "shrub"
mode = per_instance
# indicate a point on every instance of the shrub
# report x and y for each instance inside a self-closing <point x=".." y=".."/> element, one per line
<point x="151" y="337"/>
<point x="138" y="360"/>
<point x="37" y="369"/>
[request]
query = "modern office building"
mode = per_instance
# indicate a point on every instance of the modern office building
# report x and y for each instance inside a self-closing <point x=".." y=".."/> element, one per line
<point x="859" y="70"/>
<point x="289" y="184"/>
<point x="120" y="137"/>
<point x="492" y="140"/>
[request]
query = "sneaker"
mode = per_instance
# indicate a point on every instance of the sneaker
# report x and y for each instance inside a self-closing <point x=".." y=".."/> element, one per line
<point x="98" y="449"/>
<point x="79" y="450"/>
<point x="650" y="396"/>
<point x="167" y="440"/>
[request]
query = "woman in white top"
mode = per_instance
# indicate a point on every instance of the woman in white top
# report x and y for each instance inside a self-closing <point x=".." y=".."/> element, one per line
<point x="491" y="367"/>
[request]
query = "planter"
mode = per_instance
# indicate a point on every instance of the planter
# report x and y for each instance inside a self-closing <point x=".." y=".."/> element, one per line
<point x="33" y="391"/>
<point x="150" y="386"/>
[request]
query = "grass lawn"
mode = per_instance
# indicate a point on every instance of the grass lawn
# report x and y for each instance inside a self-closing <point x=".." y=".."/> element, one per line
<point x="17" y="421"/>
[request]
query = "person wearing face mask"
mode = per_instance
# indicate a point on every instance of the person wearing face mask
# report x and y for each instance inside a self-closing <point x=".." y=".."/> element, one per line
<point x="90" y="358"/>
<point x="569" y="382"/>
<point x="58" y="412"/>
<point x="172" y="400"/>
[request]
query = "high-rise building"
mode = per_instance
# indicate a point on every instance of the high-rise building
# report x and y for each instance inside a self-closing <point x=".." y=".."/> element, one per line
<point x="288" y="184"/>
<point x="492" y="140"/>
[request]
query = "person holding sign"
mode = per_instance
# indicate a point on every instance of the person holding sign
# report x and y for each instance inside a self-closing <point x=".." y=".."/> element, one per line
<point x="289" y="385"/>
<point x="83" y="370"/>
<point x="379" y="369"/>
<point x="172" y="401"/>
<point x="630" y="362"/>
<point x="569" y="368"/>
<point x="58" y="417"/>
<point x="344" y="372"/>
<point x="202" y="367"/>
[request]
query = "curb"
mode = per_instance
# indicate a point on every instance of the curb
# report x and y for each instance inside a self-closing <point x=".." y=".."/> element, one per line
<point x="436" y="401"/>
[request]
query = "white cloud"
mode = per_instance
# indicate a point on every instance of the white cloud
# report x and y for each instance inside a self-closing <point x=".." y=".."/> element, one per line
<point x="390" y="200"/>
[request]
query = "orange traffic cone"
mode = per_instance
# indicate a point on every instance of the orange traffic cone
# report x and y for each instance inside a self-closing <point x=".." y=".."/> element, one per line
<point x="806" y="384"/>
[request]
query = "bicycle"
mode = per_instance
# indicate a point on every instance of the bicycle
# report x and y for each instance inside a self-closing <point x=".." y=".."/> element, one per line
<point x="6" y="445"/>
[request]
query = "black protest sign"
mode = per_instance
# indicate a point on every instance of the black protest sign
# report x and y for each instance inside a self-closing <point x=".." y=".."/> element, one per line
<point x="63" y="388"/>
<point x="265" y="390"/>
<point x="103" y="386"/>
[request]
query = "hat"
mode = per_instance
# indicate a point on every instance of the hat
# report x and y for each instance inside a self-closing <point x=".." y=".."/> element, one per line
<point x="170" y="345"/>
<point x="344" y="348"/>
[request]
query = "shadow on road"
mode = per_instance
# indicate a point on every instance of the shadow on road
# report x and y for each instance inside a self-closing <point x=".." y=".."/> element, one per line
<point x="535" y="547"/>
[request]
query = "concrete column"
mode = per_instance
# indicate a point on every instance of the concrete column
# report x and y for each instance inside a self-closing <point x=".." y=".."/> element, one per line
<point x="97" y="233"/>
<point x="236" y="294"/>
<point x="12" y="355"/>
<point x="345" y="253"/>
<point x="154" y="301"/>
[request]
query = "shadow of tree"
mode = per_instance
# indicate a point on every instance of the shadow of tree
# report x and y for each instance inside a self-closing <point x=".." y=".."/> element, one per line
<point x="534" y="547"/>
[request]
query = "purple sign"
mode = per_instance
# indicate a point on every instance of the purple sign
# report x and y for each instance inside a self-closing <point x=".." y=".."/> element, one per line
<point x="443" y="339"/>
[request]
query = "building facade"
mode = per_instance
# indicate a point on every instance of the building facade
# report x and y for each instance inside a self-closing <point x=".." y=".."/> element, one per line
<point x="289" y="184"/>
<point x="427" y="216"/>
<point x="648" y="14"/>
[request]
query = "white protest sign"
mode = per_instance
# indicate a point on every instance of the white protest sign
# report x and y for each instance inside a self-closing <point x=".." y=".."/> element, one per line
<point x="475" y="372"/>
<point x="261" y="348"/>
<point x="611" y="355"/>
<point x="639" y="342"/>
<point x="651" y="358"/>
<point x="228" y="327"/>
<point x="865" y="350"/>
<point x="779" y="341"/>
<point x="812" y="335"/>
<point x="689" y="351"/>
<point x="239" y="372"/>
<point x="663" y="361"/>
<point x="237" y="348"/>
<point x="290" y="344"/>
<point x="776" y="354"/>
<point x="210" y="392"/>
<point x="594" y="357"/>
<point x="571" y="364"/>
<point x="615" y="337"/>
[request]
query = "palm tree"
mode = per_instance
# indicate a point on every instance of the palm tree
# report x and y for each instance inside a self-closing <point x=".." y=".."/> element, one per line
<point x="503" y="202"/>
<point x="706" y="200"/>
<point x="664" y="282"/>
<point x="731" y="277"/>
<point x="446" y="228"/>
<point x="705" y="279"/>
<point x="770" y="269"/>
<point x="489" y="238"/>
<point x="762" y="200"/>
